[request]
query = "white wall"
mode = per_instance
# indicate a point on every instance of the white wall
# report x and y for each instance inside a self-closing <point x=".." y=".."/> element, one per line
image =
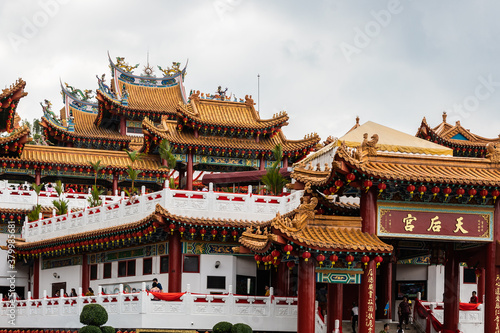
<point x="72" y="275"/>
<point x="466" y="289"/>
<point x="411" y="273"/>
<point x="21" y="272"/>
<point x="246" y="266"/>
<point x="198" y="281"/>
<point x="435" y="283"/>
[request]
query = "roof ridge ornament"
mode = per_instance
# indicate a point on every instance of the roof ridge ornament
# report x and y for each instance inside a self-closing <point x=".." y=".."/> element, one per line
<point x="171" y="71"/>
<point x="493" y="152"/>
<point x="120" y="63"/>
<point x="367" y="147"/>
<point x="444" y="116"/>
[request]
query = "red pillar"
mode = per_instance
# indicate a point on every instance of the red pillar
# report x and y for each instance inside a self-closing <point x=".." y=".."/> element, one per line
<point x="386" y="275"/>
<point x="85" y="274"/>
<point x="368" y="207"/>
<point x="285" y="162"/>
<point x="451" y="291"/>
<point x="480" y="286"/>
<point x="262" y="163"/>
<point x="175" y="263"/>
<point x="282" y="280"/>
<point x="306" y="297"/>
<point x="492" y="279"/>
<point x="123" y="125"/>
<point x="38" y="176"/>
<point x="181" y="177"/>
<point x="36" y="278"/>
<point x="335" y="306"/>
<point x="189" y="172"/>
<point x="115" y="183"/>
<point x="367" y="299"/>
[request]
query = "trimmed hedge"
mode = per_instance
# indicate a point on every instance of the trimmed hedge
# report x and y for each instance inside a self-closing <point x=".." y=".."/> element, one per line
<point x="241" y="328"/>
<point x="223" y="327"/>
<point x="90" y="329"/>
<point x="94" y="314"/>
<point x="107" y="329"/>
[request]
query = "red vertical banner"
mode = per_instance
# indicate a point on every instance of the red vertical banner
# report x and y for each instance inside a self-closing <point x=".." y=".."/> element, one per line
<point x="367" y="300"/>
<point x="497" y="302"/>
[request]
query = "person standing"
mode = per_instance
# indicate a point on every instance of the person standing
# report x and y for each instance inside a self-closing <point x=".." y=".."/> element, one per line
<point x="473" y="298"/>
<point x="404" y="311"/>
<point x="386" y="329"/>
<point x="354" y="316"/>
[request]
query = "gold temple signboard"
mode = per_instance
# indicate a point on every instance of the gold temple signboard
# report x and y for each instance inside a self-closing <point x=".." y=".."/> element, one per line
<point x="429" y="221"/>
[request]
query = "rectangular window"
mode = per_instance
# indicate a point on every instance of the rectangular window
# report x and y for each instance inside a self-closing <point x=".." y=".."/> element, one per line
<point x="122" y="268"/>
<point x="469" y="275"/>
<point x="216" y="282"/>
<point x="147" y="266"/>
<point x="93" y="272"/>
<point x="107" y="271"/>
<point x="191" y="264"/>
<point x="164" y="264"/>
<point x="131" y="268"/>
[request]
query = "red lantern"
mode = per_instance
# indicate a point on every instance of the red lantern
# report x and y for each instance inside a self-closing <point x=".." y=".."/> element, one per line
<point x="338" y="183"/>
<point x="350" y="177"/>
<point x="224" y="233"/>
<point x="460" y="192"/>
<point x="234" y="233"/>
<point x="320" y="258"/>
<point x="203" y="232"/>
<point x="258" y="259"/>
<point x="435" y="190"/>
<point x="483" y="193"/>
<point x="214" y="233"/>
<point x="349" y="259"/>
<point x="290" y="265"/>
<point x="495" y="193"/>
<point x="478" y="272"/>
<point x="275" y="254"/>
<point x="422" y="189"/>
<point x="378" y="260"/>
<point x="306" y="255"/>
<point x="181" y="230"/>
<point x="288" y="248"/>
<point x="326" y="192"/>
<point x="365" y="259"/>
<point x="367" y="184"/>
<point x="172" y="228"/>
<point x="447" y="192"/>
<point x="192" y="231"/>
<point x="472" y="192"/>
<point x="334" y="258"/>
<point x="411" y="188"/>
<point x="381" y="187"/>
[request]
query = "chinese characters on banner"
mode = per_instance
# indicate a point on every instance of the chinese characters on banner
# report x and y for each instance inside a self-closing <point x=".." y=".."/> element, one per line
<point x="431" y="221"/>
<point x="497" y="303"/>
<point x="370" y="319"/>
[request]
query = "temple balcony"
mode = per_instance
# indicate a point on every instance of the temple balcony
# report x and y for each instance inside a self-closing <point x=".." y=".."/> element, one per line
<point x="194" y="204"/>
<point x="130" y="310"/>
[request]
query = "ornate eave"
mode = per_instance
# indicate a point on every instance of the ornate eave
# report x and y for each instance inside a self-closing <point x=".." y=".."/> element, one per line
<point x="13" y="144"/>
<point x="9" y="100"/>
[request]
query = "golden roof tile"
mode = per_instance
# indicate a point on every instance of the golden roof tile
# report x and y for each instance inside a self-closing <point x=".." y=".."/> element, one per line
<point x="228" y="114"/>
<point x="17" y="89"/>
<point x="82" y="157"/>
<point x="169" y="132"/>
<point x="85" y="127"/>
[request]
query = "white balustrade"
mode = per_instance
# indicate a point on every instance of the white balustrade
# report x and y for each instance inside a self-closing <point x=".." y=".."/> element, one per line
<point x="197" y="204"/>
<point x="191" y="311"/>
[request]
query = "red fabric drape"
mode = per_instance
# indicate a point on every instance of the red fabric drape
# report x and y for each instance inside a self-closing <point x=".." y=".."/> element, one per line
<point x="468" y="306"/>
<point x="167" y="296"/>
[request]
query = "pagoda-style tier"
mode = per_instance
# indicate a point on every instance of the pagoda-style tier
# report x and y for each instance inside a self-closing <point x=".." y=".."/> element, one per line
<point x="461" y="140"/>
<point x="9" y="99"/>
<point x="48" y="162"/>
<point x="227" y="118"/>
<point x="185" y="141"/>
<point x="405" y="176"/>
<point x="83" y="133"/>
<point x="13" y="144"/>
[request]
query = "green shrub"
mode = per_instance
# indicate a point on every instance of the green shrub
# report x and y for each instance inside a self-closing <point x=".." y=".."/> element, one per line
<point x="107" y="329"/>
<point x="241" y="328"/>
<point x="90" y="329"/>
<point x="93" y="314"/>
<point x="223" y="327"/>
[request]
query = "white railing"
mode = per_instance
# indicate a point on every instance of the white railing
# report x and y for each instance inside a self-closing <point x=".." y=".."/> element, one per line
<point x="21" y="199"/>
<point x="319" y="323"/>
<point x="125" y="310"/>
<point x="208" y="205"/>
<point x="471" y="321"/>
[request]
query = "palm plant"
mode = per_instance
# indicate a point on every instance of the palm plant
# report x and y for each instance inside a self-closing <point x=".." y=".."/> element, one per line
<point x="132" y="173"/>
<point x="97" y="166"/>
<point x="273" y="179"/>
<point x="165" y="151"/>
<point x="95" y="197"/>
<point x="60" y="204"/>
<point x="34" y="214"/>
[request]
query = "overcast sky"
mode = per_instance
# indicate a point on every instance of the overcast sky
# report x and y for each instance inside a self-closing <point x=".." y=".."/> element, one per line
<point x="324" y="62"/>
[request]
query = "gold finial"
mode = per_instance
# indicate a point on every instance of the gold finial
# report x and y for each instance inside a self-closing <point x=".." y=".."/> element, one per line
<point x="444" y="116"/>
<point x="357" y="120"/>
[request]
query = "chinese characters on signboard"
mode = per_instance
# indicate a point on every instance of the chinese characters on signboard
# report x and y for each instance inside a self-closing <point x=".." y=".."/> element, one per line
<point x="438" y="222"/>
<point x="370" y="319"/>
